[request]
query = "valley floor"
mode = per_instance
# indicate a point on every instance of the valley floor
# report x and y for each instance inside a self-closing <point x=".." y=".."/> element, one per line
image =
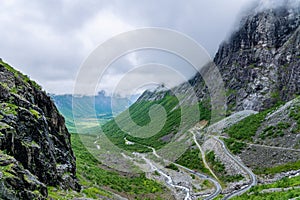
<point x="216" y="166"/>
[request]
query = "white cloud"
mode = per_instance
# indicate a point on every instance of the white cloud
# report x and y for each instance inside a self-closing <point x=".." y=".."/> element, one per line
<point x="101" y="27"/>
<point x="48" y="41"/>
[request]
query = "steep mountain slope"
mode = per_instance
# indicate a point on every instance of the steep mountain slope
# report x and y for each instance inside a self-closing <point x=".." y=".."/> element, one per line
<point x="271" y="139"/>
<point x="122" y="127"/>
<point x="35" y="147"/>
<point x="260" y="62"/>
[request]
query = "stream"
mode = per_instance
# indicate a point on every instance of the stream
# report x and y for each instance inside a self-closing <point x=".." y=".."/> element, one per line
<point x="169" y="180"/>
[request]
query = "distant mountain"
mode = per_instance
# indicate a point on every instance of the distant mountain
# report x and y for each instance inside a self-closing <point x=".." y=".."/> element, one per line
<point x="90" y="108"/>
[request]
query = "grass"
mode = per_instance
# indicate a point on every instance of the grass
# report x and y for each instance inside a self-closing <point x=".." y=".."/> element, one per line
<point x="9" y="108"/>
<point x="173" y="167"/>
<point x="192" y="160"/>
<point x="280" y="168"/>
<point x="234" y="146"/>
<point x="35" y="113"/>
<point x="219" y="168"/>
<point x="216" y="164"/>
<point x="139" y="113"/>
<point x="232" y="178"/>
<point x="295" y="114"/>
<point x="282" y="195"/>
<point x="256" y="193"/>
<point x="91" y="175"/>
<point x="57" y="194"/>
<point x="247" y="128"/>
<point x="18" y="74"/>
<point x="97" y="182"/>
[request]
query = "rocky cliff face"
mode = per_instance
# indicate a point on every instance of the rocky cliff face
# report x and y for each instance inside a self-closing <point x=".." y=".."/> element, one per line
<point x="35" y="148"/>
<point x="260" y="61"/>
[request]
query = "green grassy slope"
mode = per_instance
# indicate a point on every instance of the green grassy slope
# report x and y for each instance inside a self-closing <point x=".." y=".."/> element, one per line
<point x="286" y="188"/>
<point x="256" y="129"/>
<point x="98" y="182"/>
<point x="139" y="113"/>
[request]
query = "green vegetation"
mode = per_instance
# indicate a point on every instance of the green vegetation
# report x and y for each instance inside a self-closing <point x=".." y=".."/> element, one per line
<point x="9" y="108"/>
<point x="193" y="176"/>
<point x="4" y="85"/>
<point x="216" y="164"/>
<point x="234" y="146"/>
<point x="230" y="92"/>
<point x="295" y="114"/>
<point x="219" y="197"/>
<point x="283" y="183"/>
<point x="192" y="160"/>
<point x="58" y="194"/>
<point x="275" y="131"/>
<point x="173" y="167"/>
<point x="283" y="125"/>
<point x="18" y="74"/>
<point x="219" y="168"/>
<point x="233" y="178"/>
<point x="139" y="113"/>
<point x="35" y="113"/>
<point x="258" y="193"/>
<point x="91" y="175"/>
<point x="98" y="182"/>
<point x="7" y="170"/>
<point x="93" y="192"/>
<point x="247" y="128"/>
<point x="275" y="95"/>
<point x="252" y="66"/>
<point x="280" y="168"/>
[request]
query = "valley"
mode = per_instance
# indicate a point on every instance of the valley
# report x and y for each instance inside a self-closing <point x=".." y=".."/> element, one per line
<point x="185" y="142"/>
<point x="186" y="182"/>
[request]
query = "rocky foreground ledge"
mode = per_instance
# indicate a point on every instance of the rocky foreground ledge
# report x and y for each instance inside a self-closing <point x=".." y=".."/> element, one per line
<point x="35" y="147"/>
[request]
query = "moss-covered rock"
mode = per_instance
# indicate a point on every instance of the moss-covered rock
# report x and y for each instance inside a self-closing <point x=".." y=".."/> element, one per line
<point x="35" y="139"/>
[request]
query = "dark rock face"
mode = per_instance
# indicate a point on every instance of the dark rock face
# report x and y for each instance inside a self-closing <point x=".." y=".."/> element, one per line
<point x="15" y="178"/>
<point x="260" y="62"/>
<point x="34" y="133"/>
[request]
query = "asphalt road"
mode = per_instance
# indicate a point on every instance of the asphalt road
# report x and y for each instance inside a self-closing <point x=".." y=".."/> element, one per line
<point x="218" y="187"/>
<point x="205" y="177"/>
<point x="253" y="180"/>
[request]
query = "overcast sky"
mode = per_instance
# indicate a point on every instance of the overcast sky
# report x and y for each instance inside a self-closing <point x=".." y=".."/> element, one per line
<point x="49" y="41"/>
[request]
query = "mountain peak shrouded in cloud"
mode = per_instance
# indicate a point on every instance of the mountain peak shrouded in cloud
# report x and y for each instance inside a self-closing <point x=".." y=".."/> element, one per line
<point x="257" y="6"/>
<point x="254" y="7"/>
<point x="273" y="4"/>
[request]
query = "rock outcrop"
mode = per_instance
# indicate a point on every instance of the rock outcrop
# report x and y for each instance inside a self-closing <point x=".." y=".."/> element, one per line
<point x="34" y="141"/>
<point x="260" y="62"/>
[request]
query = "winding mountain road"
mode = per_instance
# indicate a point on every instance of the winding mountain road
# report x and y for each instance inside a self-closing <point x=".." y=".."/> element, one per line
<point x="253" y="180"/>
<point x="205" y="177"/>
<point x="217" y="185"/>
<point x="169" y="179"/>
